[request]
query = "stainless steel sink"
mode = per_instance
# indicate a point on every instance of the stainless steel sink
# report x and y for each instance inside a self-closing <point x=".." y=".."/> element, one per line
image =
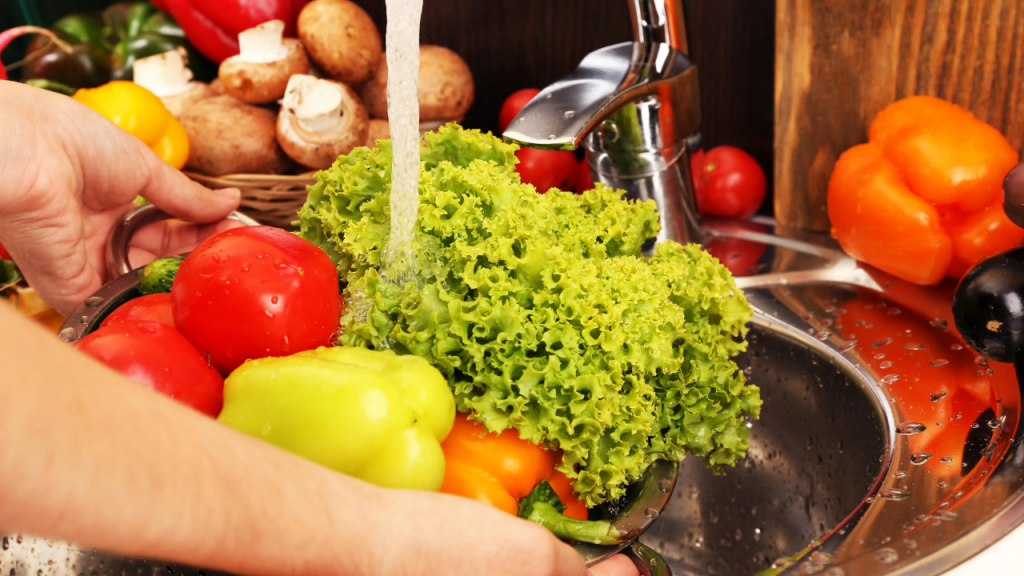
<point x="885" y="446"/>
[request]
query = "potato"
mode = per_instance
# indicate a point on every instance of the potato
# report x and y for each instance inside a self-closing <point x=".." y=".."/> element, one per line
<point x="341" y="38"/>
<point x="229" y="137"/>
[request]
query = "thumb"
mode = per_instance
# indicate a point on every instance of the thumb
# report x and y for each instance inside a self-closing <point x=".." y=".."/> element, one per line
<point x="174" y="193"/>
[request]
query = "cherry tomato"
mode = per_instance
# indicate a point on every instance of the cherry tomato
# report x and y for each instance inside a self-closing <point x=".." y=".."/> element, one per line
<point x="547" y="169"/>
<point x="4" y="254"/>
<point x="255" y="292"/>
<point x="154" y="307"/>
<point x="739" y="256"/>
<point x="513" y="104"/>
<point x="734" y="184"/>
<point x="584" y="181"/>
<point x="158" y="357"/>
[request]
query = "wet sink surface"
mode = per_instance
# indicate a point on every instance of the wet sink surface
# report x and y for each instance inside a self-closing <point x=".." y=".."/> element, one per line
<point x="814" y="456"/>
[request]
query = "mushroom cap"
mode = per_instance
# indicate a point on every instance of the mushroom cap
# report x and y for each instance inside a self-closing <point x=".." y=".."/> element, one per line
<point x="380" y="129"/>
<point x="182" y="101"/>
<point x="230" y="137"/>
<point x="321" y="148"/>
<point x="341" y="38"/>
<point x="262" y="82"/>
<point x="445" y="86"/>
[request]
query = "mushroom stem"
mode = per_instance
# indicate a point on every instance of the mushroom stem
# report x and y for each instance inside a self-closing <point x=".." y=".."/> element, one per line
<point x="164" y="74"/>
<point x="316" y="104"/>
<point x="262" y="44"/>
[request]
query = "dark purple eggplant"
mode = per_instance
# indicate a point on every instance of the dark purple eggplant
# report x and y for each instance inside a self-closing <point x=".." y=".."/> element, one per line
<point x="988" y="307"/>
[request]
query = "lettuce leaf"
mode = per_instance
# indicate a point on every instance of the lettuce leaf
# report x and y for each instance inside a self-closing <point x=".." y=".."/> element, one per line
<point x="539" y="312"/>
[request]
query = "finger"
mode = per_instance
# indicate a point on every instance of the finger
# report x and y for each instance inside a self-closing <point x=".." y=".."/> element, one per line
<point x="174" y="237"/>
<point x="618" y="565"/>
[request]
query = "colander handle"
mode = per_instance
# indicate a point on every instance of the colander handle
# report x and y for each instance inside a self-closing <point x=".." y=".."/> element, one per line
<point x="122" y="232"/>
<point x="649" y="562"/>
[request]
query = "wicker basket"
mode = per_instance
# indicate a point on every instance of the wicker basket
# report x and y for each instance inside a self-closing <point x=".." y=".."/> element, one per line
<point x="269" y="199"/>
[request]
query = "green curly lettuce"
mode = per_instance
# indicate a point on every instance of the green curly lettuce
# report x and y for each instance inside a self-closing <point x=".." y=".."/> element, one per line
<point x="539" y="312"/>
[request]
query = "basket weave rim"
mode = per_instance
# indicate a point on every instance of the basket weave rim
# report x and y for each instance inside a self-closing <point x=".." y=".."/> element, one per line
<point x="255" y="180"/>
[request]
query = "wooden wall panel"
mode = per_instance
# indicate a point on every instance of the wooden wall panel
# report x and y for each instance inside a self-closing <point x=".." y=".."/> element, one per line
<point x="838" y="62"/>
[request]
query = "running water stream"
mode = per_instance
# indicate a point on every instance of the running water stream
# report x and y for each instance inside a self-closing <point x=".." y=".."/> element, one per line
<point x="403" y="57"/>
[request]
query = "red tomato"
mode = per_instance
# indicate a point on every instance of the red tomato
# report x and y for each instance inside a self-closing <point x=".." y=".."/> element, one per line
<point x="584" y="181"/>
<point x="547" y="169"/>
<point x="4" y="254"/>
<point x="739" y="256"/>
<point x="734" y="184"/>
<point x="255" y="292"/>
<point x="158" y="357"/>
<point x="513" y="104"/>
<point x="154" y="307"/>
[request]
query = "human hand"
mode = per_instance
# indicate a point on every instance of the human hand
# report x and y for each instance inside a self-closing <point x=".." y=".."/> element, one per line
<point x="67" y="175"/>
<point x="428" y="534"/>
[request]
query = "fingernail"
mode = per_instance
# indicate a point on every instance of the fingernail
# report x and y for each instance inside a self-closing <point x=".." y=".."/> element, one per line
<point x="228" y="193"/>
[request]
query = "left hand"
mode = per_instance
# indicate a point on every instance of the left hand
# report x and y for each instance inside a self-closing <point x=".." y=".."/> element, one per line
<point x="618" y="565"/>
<point x="67" y="175"/>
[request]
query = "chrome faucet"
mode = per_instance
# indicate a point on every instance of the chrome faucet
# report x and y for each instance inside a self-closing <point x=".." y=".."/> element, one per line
<point x="635" y="107"/>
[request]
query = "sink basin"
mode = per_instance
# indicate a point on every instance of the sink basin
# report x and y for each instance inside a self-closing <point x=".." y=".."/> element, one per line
<point x="885" y="445"/>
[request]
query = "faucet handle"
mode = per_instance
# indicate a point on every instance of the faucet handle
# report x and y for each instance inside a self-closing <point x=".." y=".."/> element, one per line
<point x="607" y="79"/>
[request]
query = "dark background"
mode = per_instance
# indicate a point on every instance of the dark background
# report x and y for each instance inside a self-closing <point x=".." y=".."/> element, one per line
<point x="513" y="44"/>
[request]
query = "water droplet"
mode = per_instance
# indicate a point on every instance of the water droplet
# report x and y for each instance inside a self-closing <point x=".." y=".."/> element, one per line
<point x="936" y="396"/>
<point x="941" y="484"/>
<point x="879" y="356"/>
<point x="651" y="513"/>
<point x="739" y="535"/>
<point x="975" y="425"/>
<point x="823" y="335"/>
<point x="826" y="322"/>
<point x="880" y="343"/>
<point x="909" y="428"/>
<point x="94" y="302"/>
<point x="955" y="347"/>
<point x="918" y="458"/>
<point x="899" y="474"/>
<point x="894" y="311"/>
<point x="68" y="334"/>
<point x="568" y="114"/>
<point x="939" y="362"/>
<point x="889" y="379"/>
<point x="665" y="485"/>
<point x="946" y="459"/>
<point x="939" y="323"/>
<point x="886" y="556"/>
<point x="913" y="346"/>
<point x="757" y="534"/>
<point x="699" y="542"/>
<point x="886" y="364"/>
<point x="782" y="563"/>
<point x="895" y="494"/>
<point x="981" y="361"/>
<point x="958" y="415"/>
<point x="850" y="345"/>
<point x="869" y="499"/>
<point x="945" y="515"/>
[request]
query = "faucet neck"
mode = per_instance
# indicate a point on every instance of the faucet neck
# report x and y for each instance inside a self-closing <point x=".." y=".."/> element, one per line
<point x="659" y="21"/>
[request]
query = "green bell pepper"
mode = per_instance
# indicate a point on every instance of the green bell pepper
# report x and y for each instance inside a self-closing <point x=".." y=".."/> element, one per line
<point x="105" y="46"/>
<point x="373" y="415"/>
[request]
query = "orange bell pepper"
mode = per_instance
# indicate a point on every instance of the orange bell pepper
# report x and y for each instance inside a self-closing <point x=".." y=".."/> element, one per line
<point x="922" y="199"/>
<point x="500" y="469"/>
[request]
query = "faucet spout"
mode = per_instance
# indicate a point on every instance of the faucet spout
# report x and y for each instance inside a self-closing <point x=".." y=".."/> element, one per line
<point x="635" y="107"/>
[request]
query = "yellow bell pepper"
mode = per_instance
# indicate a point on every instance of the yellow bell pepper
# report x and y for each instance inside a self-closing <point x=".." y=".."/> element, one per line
<point x="143" y="115"/>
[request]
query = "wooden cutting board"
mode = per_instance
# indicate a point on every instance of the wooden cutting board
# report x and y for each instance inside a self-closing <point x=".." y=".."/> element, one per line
<point x="838" y="62"/>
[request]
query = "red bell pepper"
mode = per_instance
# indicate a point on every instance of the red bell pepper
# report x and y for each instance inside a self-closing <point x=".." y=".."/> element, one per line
<point x="213" y="27"/>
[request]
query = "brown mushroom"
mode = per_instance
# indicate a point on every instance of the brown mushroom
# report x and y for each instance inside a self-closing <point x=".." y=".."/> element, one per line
<point x="168" y="76"/>
<point x="320" y="120"/>
<point x="260" y="72"/>
<point x="230" y="137"/>
<point x="380" y="129"/>
<point x="341" y="38"/>
<point x="445" y="88"/>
